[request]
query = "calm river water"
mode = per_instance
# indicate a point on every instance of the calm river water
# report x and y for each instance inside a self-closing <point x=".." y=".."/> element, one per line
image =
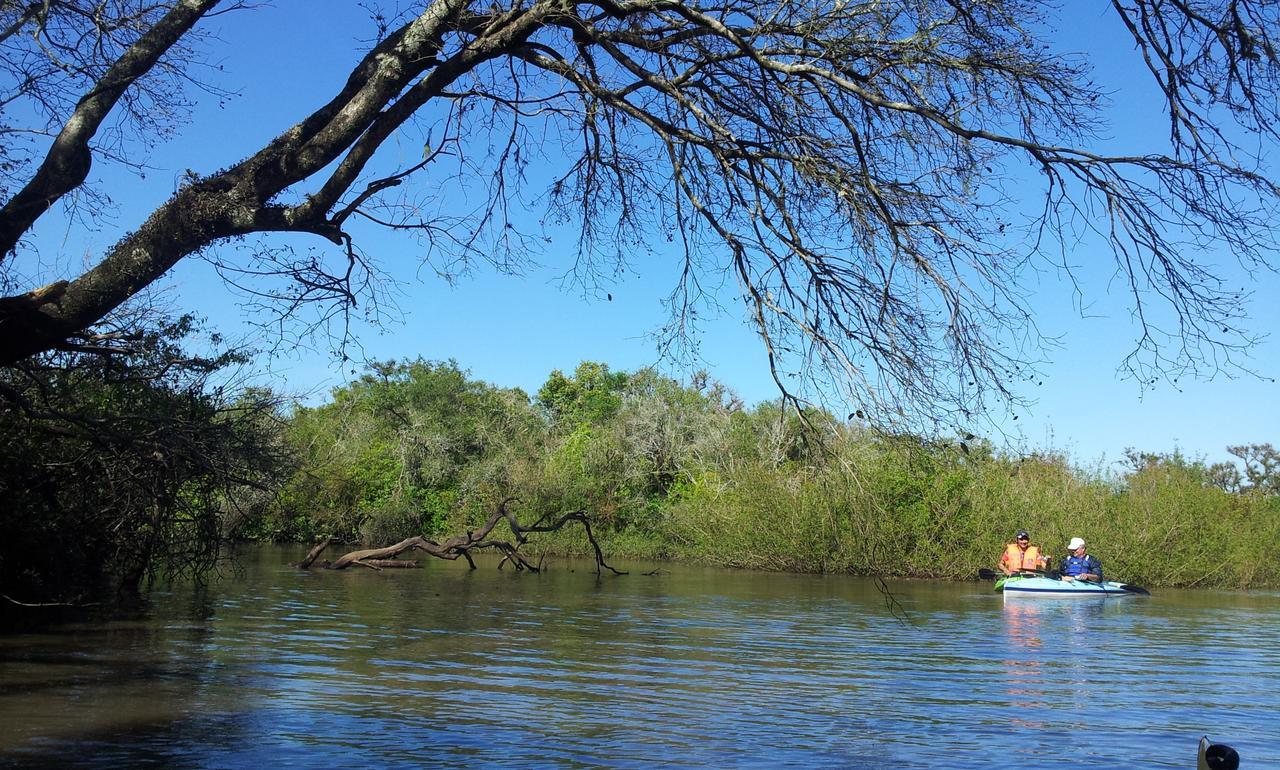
<point x="687" y="667"/>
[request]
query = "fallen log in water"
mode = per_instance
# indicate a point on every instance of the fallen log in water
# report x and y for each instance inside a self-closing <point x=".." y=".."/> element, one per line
<point x="459" y="545"/>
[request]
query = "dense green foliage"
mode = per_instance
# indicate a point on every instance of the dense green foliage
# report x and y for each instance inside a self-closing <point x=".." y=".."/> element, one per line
<point x="685" y="471"/>
<point x="116" y="469"/>
<point x="129" y="468"/>
<point x="406" y="449"/>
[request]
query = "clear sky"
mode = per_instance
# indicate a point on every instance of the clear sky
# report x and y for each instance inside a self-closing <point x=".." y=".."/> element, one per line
<point x="512" y="331"/>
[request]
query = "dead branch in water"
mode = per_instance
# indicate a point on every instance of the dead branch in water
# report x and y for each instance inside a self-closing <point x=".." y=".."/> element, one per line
<point x="461" y="546"/>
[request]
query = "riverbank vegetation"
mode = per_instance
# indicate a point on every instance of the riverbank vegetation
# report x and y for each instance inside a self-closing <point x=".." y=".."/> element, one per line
<point x="118" y="469"/>
<point x="686" y="471"/>
<point x="148" y="475"/>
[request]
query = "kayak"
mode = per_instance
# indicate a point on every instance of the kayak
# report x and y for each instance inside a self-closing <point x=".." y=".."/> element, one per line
<point x="1037" y="585"/>
<point x="1216" y="756"/>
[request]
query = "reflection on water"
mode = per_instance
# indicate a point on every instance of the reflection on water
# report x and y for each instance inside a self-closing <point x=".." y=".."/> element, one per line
<point x="686" y="667"/>
<point x="1026" y="682"/>
<point x="1039" y="677"/>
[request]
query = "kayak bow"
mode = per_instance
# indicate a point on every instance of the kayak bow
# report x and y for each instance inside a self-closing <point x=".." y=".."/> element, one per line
<point x="1216" y="756"/>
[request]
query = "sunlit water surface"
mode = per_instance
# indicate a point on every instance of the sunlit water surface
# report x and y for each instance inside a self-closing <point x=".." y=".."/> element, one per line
<point x="687" y="667"/>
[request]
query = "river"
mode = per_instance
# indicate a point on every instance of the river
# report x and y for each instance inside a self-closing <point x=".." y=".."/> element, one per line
<point x="683" y="667"/>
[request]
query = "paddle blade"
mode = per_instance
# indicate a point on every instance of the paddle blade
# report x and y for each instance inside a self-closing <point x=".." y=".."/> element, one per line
<point x="1135" y="589"/>
<point x="989" y="574"/>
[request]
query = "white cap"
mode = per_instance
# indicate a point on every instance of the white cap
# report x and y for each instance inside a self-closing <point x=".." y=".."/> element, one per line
<point x="1076" y="542"/>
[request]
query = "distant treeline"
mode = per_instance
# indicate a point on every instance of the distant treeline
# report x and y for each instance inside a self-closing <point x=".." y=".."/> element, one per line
<point x="147" y="468"/>
<point x="686" y="471"/>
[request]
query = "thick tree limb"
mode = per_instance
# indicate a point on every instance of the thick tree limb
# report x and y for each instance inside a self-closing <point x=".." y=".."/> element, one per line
<point x="67" y="164"/>
<point x="314" y="553"/>
<point x="231" y="202"/>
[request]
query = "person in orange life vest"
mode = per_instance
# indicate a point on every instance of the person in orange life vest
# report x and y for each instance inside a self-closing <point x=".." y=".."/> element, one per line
<point x="1022" y="555"/>
<point x="1079" y="565"/>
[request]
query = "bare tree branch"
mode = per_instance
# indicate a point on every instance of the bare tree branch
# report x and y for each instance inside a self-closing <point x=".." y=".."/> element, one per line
<point x="877" y="179"/>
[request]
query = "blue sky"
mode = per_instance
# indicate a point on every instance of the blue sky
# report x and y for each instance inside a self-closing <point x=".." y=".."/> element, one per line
<point x="513" y="331"/>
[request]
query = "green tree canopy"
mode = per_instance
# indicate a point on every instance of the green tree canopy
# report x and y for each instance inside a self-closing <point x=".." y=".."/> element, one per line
<point x="592" y="395"/>
<point x="400" y="448"/>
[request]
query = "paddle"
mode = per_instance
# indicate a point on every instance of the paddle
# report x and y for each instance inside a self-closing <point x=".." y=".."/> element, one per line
<point x="1135" y="589"/>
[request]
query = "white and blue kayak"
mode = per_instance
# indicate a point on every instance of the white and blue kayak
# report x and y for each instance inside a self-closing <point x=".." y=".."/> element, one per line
<point x="1040" y="585"/>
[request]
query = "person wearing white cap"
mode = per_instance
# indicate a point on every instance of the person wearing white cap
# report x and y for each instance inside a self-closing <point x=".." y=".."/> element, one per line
<point x="1079" y="565"/>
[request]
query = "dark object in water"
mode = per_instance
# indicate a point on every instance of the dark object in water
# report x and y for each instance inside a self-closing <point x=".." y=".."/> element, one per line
<point x="1217" y="756"/>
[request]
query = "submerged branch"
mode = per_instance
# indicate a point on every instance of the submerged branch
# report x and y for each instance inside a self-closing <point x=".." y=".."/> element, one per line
<point x="461" y="546"/>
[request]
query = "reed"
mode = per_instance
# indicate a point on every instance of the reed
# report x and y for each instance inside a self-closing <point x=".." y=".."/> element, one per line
<point x="935" y="513"/>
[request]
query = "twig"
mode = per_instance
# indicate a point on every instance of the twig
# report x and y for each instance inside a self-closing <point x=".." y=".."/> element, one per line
<point x="48" y="604"/>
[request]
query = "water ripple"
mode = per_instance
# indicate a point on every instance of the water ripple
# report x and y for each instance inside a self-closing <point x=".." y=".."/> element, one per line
<point x="447" y="667"/>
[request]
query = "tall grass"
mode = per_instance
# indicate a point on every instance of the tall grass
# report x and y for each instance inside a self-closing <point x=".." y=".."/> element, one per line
<point x="927" y="512"/>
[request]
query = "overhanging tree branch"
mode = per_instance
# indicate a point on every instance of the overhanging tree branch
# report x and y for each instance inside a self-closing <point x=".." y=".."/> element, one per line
<point x="67" y="164"/>
<point x="856" y="169"/>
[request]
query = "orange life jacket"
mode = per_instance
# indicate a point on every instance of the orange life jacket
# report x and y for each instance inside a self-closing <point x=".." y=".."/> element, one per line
<point x="1018" y="559"/>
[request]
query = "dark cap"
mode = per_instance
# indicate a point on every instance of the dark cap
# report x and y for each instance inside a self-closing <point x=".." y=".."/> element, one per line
<point x="1022" y="534"/>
